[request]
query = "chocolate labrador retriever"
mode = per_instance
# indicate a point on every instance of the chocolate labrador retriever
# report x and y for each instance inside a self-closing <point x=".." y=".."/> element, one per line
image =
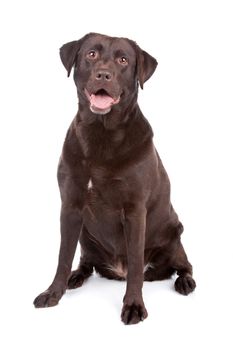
<point x="114" y="189"/>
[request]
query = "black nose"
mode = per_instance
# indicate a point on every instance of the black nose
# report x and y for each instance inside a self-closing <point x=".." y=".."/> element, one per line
<point x="103" y="75"/>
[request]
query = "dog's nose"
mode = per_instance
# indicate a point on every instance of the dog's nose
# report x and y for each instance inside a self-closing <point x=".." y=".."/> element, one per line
<point x="103" y="75"/>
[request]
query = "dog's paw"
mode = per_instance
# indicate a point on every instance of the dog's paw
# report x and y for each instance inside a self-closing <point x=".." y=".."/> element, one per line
<point x="48" y="298"/>
<point x="133" y="313"/>
<point x="76" y="280"/>
<point x="185" y="285"/>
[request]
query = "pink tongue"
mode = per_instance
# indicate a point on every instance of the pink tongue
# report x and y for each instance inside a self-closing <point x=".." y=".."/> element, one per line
<point x="101" y="101"/>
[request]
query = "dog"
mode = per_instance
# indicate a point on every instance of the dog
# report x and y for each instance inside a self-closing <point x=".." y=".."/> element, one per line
<point x="114" y="189"/>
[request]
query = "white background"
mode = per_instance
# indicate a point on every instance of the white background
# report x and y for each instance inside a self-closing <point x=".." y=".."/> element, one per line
<point x="189" y="103"/>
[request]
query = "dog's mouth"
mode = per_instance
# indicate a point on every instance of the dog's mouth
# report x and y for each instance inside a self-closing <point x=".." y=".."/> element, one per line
<point x="101" y="101"/>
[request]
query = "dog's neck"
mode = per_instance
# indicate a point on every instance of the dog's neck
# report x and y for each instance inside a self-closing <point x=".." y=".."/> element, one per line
<point x="112" y="137"/>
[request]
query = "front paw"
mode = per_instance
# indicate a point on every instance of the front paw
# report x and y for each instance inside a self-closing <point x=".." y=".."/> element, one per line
<point x="48" y="298"/>
<point x="133" y="312"/>
<point x="185" y="285"/>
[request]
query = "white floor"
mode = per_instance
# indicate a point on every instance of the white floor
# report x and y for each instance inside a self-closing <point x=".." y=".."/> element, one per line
<point x="90" y="316"/>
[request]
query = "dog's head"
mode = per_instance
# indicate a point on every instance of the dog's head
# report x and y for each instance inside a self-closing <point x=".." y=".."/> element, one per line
<point x="107" y="70"/>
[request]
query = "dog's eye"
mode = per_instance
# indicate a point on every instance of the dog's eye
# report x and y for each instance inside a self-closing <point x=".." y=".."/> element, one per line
<point x="123" y="60"/>
<point x="92" y="54"/>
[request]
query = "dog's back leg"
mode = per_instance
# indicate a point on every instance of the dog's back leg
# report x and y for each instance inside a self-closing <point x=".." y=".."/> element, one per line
<point x="158" y="273"/>
<point x="184" y="284"/>
<point x="78" y="276"/>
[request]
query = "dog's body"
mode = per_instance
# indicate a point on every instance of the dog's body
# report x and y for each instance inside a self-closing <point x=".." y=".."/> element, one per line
<point x="114" y="189"/>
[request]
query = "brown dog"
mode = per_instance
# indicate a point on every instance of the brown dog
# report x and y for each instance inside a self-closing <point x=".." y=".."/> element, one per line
<point x="114" y="189"/>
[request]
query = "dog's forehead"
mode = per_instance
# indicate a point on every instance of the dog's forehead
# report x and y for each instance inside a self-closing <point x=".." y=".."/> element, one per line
<point x="108" y="43"/>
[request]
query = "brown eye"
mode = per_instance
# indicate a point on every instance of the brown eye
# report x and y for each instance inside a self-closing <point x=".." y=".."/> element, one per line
<point x="92" y="54"/>
<point x="123" y="60"/>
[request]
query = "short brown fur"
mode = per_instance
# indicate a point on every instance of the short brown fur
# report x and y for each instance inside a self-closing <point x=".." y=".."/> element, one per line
<point x="114" y="189"/>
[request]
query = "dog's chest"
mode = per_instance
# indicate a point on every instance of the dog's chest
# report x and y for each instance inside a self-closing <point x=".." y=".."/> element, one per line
<point x="106" y="189"/>
<point x="105" y="195"/>
<point x="100" y="144"/>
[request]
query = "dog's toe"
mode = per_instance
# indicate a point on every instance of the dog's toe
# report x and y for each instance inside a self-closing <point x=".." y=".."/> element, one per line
<point x="185" y="285"/>
<point x="47" y="299"/>
<point x="134" y="313"/>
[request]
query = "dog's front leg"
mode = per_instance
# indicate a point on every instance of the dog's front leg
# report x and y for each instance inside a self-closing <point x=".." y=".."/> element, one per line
<point x="134" y="223"/>
<point x="70" y="230"/>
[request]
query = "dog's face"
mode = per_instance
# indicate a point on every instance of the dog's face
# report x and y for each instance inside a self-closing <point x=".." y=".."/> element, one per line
<point x="106" y="70"/>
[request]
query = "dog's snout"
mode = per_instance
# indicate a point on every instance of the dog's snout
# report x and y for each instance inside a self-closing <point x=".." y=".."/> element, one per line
<point x="103" y="75"/>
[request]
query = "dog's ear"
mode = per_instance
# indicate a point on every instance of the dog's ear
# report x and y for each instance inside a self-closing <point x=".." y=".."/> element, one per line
<point x="146" y="65"/>
<point x="69" y="53"/>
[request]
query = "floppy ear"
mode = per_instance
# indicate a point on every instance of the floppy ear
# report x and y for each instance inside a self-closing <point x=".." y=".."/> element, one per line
<point x="146" y="65"/>
<point x="69" y="53"/>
